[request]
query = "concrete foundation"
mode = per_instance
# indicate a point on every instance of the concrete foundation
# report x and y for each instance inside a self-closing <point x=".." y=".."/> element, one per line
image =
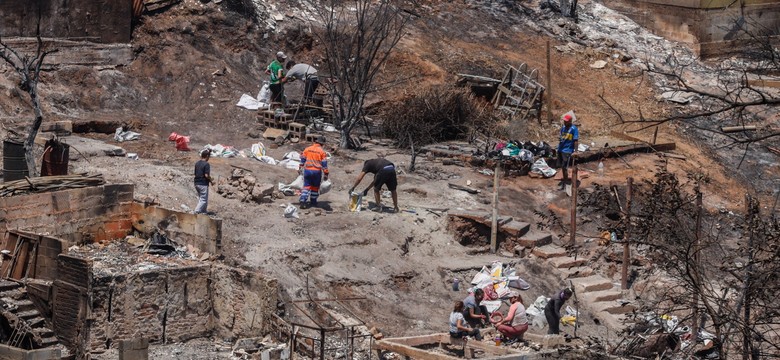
<point x="710" y="27"/>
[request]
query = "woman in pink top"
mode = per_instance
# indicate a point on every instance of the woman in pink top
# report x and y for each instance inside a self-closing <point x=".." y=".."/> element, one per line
<point x="515" y="324"/>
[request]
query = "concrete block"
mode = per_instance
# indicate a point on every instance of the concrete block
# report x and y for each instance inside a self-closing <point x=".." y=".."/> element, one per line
<point x="515" y="228"/>
<point x="565" y="262"/>
<point x="602" y="296"/>
<point x="535" y="238"/>
<point x="548" y="251"/>
<point x="591" y="283"/>
<point x="614" y="307"/>
<point x="576" y="272"/>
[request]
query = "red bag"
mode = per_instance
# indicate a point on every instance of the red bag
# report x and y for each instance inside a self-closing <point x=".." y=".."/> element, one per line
<point x="182" y="142"/>
<point x="490" y="293"/>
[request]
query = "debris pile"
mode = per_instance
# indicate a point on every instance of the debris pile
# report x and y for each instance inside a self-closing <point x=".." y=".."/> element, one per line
<point x="245" y="187"/>
<point x="49" y="183"/>
<point x="495" y="282"/>
<point x="135" y="254"/>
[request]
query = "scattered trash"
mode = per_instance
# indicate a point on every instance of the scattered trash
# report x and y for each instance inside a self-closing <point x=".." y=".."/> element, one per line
<point x="582" y="147"/>
<point x="291" y="211"/>
<point x="535" y="312"/>
<point x="679" y="97"/>
<point x="258" y="150"/>
<point x="291" y="160"/>
<point x="355" y="201"/>
<point x="220" y="150"/>
<point x="122" y="135"/>
<point x="455" y="284"/>
<point x="487" y="172"/>
<point x="540" y="167"/>
<point x="133" y="156"/>
<point x="182" y="142"/>
<point x="159" y="244"/>
<point x="263" y="99"/>
<point x="289" y="189"/>
<point x="599" y="64"/>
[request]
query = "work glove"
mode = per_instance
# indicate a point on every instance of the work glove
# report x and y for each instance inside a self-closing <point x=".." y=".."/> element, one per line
<point x="326" y="177"/>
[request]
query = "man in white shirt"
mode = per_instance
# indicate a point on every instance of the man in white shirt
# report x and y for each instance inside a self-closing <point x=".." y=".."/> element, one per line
<point x="304" y="72"/>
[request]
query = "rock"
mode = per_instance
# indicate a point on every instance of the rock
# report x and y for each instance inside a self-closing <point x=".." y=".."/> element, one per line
<point x="250" y="180"/>
<point x="266" y="189"/>
<point x="599" y="64"/>
<point x="253" y="134"/>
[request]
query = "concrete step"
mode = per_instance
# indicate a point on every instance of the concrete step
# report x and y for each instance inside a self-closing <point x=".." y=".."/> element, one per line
<point x="49" y="341"/>
<point x="36" y="321"/>
<point x="565" y="262"/>
<point x="614" y="307"/>
<point x="548" y="251"/>
<point x="29" y="314"/>
<point x="516" y="228"/>
<point x="591" y="283"/>
<point x="6" y="285"/>
<point x="534" y="238"/>
<point x="576" y="272"/>
<point x="602" y="296"/>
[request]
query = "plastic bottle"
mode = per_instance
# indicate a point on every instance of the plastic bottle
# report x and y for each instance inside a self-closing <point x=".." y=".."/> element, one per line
<point x="601" y="169"/>
<point x="455" y="284"/>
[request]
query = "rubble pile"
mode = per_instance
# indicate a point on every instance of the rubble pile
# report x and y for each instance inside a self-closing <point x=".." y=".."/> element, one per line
<point x="245" y="187"/>
<point x="134" y="254"/>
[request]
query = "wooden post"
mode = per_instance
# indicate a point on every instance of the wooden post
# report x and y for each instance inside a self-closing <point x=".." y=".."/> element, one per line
<point x="627" y="236"/>
<point x="494" y="222"/>
<point x="695" y="302"/>
<point x="549" y="85"/>
<point x="655" y="134"/>
<point x="573" y="200"/>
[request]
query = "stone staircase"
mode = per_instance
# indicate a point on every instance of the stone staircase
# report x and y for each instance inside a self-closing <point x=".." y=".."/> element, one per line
<point x="597" y="294"/>
<point x="15" y="306"/>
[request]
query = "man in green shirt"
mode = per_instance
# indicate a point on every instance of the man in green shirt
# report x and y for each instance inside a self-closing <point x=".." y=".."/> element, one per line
<point x="276" y="70"/>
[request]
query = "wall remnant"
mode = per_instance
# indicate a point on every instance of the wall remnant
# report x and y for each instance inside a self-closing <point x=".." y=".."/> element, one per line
<point x="101" y="21"/>
<point x="710" y="27"/>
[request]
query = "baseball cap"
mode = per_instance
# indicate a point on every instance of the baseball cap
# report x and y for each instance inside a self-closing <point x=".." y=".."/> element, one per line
<point x="281" y="55"/>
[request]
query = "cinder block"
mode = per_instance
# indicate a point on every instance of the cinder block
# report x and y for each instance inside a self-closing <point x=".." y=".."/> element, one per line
<point x="592" y="283"/>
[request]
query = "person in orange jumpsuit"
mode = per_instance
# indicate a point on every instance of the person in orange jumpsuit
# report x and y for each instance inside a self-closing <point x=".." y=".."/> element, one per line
<point x="314" y="165"/>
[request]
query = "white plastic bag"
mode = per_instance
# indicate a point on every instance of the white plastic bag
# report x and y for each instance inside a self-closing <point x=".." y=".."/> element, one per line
<point x="355" y="201"/>
<point x="297" y="184"/>
<point x="264" y="95"/>
<point x="325" y="186"/>
<point x="291" y="211"/>
<point x="267" y="160"/>
<point x="258" y="150"/>
<point x="540" y="167"/>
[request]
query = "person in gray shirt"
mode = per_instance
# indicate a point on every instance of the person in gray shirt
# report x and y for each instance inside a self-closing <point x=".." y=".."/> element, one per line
<point x="304" y="72"/>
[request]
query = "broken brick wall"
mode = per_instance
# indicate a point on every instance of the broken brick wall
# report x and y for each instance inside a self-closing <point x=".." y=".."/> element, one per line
<point x="200" y="231"/>
<point x="710" y="27"/>
<point x="103" y="21"/>
<point x="243" y="302"/>
<point x="76" y="215"/>
<point x="162" y="305"/>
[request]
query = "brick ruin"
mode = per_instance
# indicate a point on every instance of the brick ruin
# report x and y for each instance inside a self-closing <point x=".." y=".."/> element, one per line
<point x="69" y="272"/>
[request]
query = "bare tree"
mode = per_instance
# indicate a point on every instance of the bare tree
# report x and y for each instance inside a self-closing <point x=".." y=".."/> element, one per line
<point x="28" y="67"/>
<point x="358" y="37"/>
<point x="725" y="280"/>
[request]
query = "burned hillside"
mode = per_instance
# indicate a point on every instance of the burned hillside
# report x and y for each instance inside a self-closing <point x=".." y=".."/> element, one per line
<point x="110" y="256"/>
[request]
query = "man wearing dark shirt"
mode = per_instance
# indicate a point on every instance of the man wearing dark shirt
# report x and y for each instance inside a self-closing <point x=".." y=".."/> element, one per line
<point x="552" y="311"/>
<point x="384" y="174"/>
<point x="202" y="181"/>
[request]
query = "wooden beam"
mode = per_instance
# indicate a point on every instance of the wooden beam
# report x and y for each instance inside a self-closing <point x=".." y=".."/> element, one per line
<point x="764" y="83"/>
<point x="733" y="129"/>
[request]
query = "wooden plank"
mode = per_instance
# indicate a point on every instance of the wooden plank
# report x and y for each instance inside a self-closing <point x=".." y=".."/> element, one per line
<point x="764" y="83"/>
<point x="17" y="270"/>
<point x="733" y="129"/>
<point x="411" y="352"/>
<point x="420" y="340"/>
<point x="626" y="137"/>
